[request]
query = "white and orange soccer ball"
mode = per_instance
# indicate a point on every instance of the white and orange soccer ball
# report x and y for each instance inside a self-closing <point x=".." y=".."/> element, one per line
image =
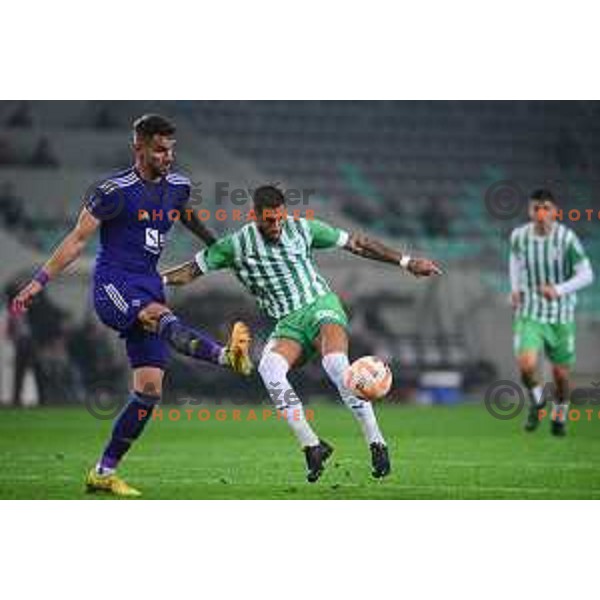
<point x="368" y="378"/>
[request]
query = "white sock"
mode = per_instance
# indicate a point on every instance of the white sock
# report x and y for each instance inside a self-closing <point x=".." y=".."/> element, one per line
<point x="537" y="393"/>
<point x="104" y="471"/>
<point x="273" y="369"/>
<point x="222" y="360"/>
<point x="335" y="363"/>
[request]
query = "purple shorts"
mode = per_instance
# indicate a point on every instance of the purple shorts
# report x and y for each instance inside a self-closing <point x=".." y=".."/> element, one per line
<point x="118" y="298"/>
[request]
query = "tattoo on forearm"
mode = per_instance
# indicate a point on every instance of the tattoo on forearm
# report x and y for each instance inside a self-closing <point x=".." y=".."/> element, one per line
<point x="361" y="245"/>
<point x="183" y="274"/>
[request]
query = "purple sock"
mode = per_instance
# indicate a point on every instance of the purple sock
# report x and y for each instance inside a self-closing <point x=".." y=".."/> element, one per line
<point x="188" y="341"/>
<point x="128" y="426"/>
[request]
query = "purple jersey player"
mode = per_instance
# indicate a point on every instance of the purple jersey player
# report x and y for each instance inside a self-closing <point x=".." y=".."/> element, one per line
<point x="130" y="211"/>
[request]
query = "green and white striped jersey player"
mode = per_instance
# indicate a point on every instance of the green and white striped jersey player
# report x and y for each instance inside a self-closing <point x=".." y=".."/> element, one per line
<point x="553" y="258"/>
<point x="282" y="277"/>
<point x="548" y="265"/>
<point x="273" y="259"/>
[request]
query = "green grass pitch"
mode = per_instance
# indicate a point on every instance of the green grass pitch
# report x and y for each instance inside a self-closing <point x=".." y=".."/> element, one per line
<point x="437" y="452"/>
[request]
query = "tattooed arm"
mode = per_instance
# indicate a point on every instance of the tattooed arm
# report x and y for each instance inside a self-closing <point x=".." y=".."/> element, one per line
<point x="181" y="274"/>
<point x="364" y="246"/>
<point x="219" y="255"/>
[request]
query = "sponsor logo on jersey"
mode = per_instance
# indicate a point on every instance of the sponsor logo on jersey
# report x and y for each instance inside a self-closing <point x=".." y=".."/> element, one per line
<point x="154" y="240"/>
<point x="326" y="313"/>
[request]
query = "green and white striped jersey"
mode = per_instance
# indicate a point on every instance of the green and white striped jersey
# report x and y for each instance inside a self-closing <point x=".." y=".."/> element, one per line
<point x="282" y="276"/>
<point x="548" y="259"/>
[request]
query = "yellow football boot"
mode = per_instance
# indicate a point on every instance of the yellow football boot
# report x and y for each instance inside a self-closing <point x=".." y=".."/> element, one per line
<point x="237" y="351"/>
<point x="110" y="484"/>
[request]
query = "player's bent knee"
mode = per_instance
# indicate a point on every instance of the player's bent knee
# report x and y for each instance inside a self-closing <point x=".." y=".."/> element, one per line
<point x="150" y="315"/>
<point x="148" y="381"/>
<point x="333" y="339"/>
<point x="527" y="364"/>
<point x="153" y="310"/>
<point x="560" y="373"/>
<point x="150" y="389"/>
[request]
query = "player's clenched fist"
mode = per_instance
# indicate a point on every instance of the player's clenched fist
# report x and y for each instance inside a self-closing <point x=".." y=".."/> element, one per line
<point x="423" y="267"/>
<point x="23" y="299"/>
<point x="549" y="291"/>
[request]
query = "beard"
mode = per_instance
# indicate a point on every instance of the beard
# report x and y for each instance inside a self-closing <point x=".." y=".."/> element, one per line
<point x="157" y="169"/>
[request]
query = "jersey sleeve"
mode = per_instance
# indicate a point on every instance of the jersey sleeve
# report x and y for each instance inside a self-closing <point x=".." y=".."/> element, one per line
<point x="104" y="204"/>
<point x="515" y="262"/>
<point x="181" y="191"/>
<point x="218" y="256"/>
<point x="515" y="244"/>
<point x="324" y="235"/>
<point x="575" y="251"/>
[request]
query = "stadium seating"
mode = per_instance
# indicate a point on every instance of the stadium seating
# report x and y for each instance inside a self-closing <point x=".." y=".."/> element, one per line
<point x="414" y="173"/>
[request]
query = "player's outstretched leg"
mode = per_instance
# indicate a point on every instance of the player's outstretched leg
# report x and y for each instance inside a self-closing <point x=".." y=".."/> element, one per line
<point x="273" y="369"/>
<point x="335" y="364"/>
<point x="127" y="428"/>
<point x="191" y="342"/>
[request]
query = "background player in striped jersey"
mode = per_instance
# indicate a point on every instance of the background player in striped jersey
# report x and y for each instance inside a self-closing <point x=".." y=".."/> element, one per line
<point x="547" y="266"/>
<point x="127" y="289"/>
<point x="272" y="258"/>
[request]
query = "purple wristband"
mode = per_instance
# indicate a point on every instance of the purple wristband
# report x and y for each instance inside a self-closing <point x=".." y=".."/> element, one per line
<point x="42" y="277"/>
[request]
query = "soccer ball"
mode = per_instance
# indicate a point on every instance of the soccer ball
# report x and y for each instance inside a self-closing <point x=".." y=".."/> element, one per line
<point x="368" y="378"/>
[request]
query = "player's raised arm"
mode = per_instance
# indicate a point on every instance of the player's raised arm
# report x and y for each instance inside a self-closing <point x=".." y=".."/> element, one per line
<point x="326" y="236"/>
<point x="367" y="247"/>
<point x="67" y="252"/>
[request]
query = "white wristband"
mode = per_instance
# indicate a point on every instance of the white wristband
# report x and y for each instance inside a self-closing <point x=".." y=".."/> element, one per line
<point x="164" y="280"/>
<point x="404" y="261"/>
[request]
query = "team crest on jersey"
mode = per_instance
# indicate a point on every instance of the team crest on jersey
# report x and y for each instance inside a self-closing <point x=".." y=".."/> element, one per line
<point x="143" y="215"/>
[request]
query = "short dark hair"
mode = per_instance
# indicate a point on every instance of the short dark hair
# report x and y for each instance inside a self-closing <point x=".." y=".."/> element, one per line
<point x="149" y="125"/>
<point x="542" y="194"/>
<point x="268" y="196"/>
